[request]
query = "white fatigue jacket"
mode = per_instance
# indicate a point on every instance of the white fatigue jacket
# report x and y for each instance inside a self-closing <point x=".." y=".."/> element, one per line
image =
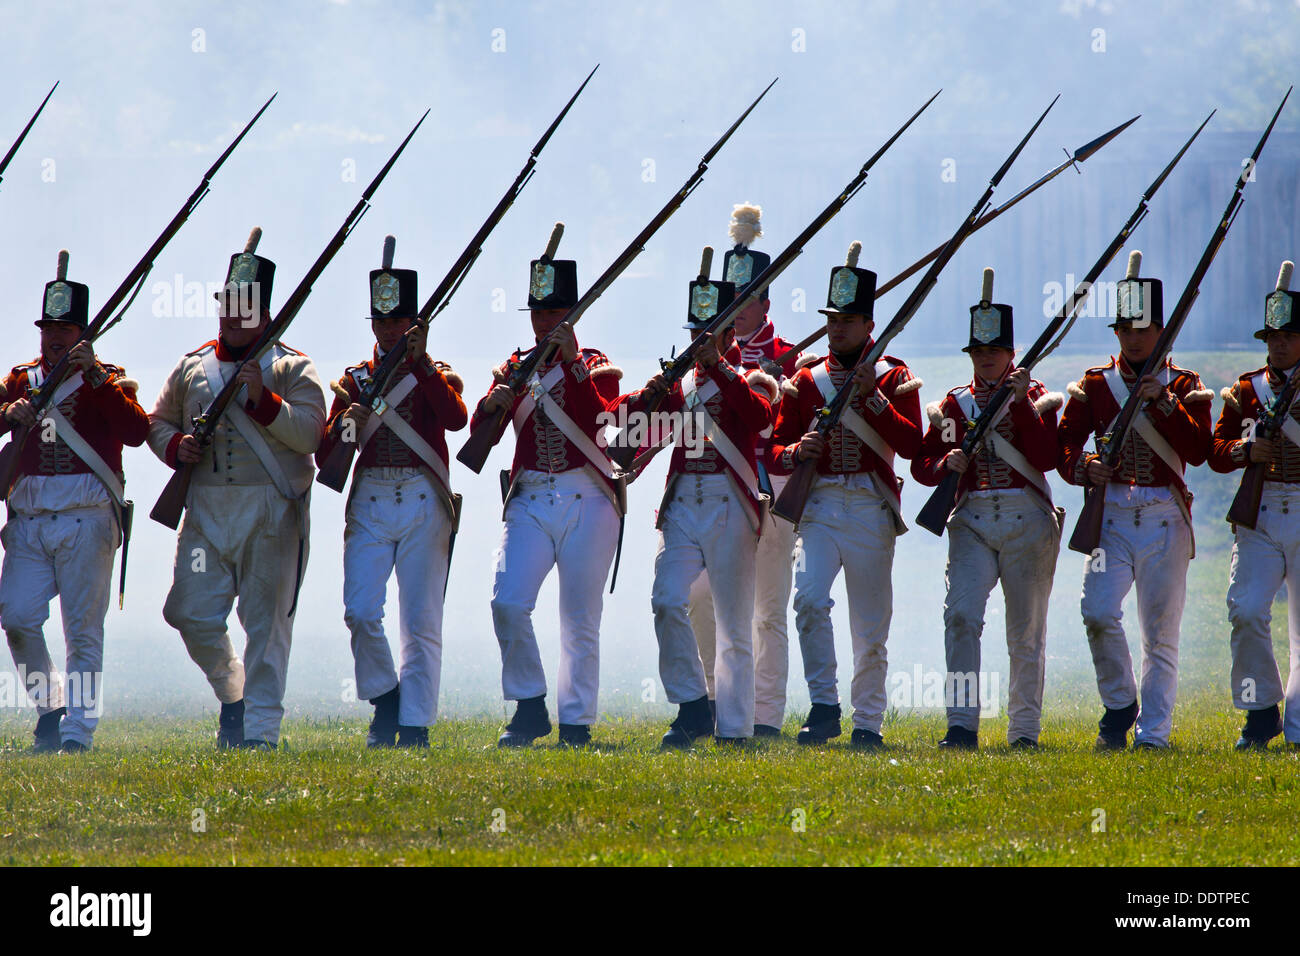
<point x="290" y="418"/>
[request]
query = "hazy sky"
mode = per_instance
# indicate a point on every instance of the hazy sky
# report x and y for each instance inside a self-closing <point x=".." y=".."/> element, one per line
<point x="150" y="92"/>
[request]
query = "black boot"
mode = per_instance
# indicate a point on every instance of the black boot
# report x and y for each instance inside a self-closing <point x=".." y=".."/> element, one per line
<point x="383" y="726"/>
<point x="959" y="738"/>
<point x="822" y="724"/>
<point x="46" y="735"/>
<point x="417" y="737"/>
<point x="1114" y="727"/>
<point x="694" y="719"/>
<point x="1261" y="727"/>
<point x="529" y="722"/>
<point x="230" y="726"/>
<point x="575" y="735"/>
<point x="863" y="739"/>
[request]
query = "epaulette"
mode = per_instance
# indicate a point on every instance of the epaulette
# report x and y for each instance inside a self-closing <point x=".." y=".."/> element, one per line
<point x="598" y="363"/>
<point x="763" y="384"/>
<point x="907" y="385"/>
<point x="451" y="375"/>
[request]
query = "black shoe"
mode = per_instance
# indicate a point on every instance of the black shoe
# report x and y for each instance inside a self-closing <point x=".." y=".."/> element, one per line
<point x="1024" y="743"/>
<point x="732" y="743"/>
<point x="383" y="726"/>
<point x="258" y="745"/>
<point x="959" y="738"/>
<point x="862" y="739"/>
<point x="45" y="738"/>
<point x="766" y="730"/>
<point x="574" y="735"/>
<point x="822" y="724"/>
<point x="1261" y="727"/>
<point x="413" y="736"/>
<point x="1114" y="726"/>
<point x="694" y="719"/>
<point x="529" y="722"/>
<point x="1148" y="745"/>
<point x="73" y="747"/>
<point x="230" y="726"/>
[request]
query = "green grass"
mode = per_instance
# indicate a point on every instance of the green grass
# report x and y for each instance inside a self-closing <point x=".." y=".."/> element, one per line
<point x="325" y="800"/>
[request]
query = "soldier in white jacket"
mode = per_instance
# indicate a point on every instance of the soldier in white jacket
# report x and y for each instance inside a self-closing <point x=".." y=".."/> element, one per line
<point x="244" y="536"/>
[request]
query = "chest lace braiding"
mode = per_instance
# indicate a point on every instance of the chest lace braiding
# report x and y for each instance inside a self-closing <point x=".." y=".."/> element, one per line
<point x="845" y="447"/>
<point x="391" y="451"/>
<point x="707" y="461"/>
<point x="552" y="453"/>
<point x="991" y="472"/>
<point x="56" y="458"/>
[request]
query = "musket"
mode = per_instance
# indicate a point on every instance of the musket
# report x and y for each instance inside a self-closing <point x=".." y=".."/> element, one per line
<point x="475" y="451"/>
<point x="334" y="472"/>
<point x="934" y="516"/>
<point x="105" y="319"/>
<point x="1245" y="504"/>
<point x="171" y="502"/>
<point x="1080" y="155"/>
<point x="1087" y="531"/>
<point x="4" y="163"/>
<point x="676" y="368"/>
<point x="790" y="504"/>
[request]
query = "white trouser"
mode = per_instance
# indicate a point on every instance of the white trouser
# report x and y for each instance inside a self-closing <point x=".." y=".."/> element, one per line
<point x="68" y="553"/>
<point x="238" y="542"/>
<point x="1261" y="560"/>
<point x="563" y="520"/>
<point x="1011" y="537"/>
<point x="773" y="577"/>
<point x="849" y="528"/>
<point x="1149" y="544"/>
<point x="704" y="527"/>
<point x="396" y="519"/>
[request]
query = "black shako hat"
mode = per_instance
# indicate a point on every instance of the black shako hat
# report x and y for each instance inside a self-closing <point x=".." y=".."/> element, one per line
<point x="852" y="291"/>
<point x="741" y="265"/>
<point x="707" y="298"/>
<point x="990" y="322"/>
<point x="1281" y="306"/>
<point x="1138" y="299"/>
<point x="250" y="277"/>
<point x="552" y="282"/>
<point x="393" y="292"/>
<point x="65" y="301"/>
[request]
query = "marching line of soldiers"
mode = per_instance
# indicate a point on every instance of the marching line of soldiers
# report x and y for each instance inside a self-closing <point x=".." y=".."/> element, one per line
<point x="725" y="567"/>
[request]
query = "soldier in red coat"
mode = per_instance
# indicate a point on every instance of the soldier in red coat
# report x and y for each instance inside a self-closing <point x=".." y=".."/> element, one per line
<point x="1003" y="526"/>
<point x="1146" y="537"/>
<point x="755" y="349"/>
<point x="401" y="512"/>
<point x="563" y="506"/>
<point x="709" y="520"/>
<point x="67" y="514"/>
<point x="1268" y="554"/>
<point x="853" y="512"/>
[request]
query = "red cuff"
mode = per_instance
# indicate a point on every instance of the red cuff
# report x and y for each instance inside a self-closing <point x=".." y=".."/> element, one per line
<point x="264" y="411"/>
<point x="169" y="454"/>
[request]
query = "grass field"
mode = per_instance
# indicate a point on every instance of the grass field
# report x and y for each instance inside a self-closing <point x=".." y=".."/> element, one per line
<point x="138" y="799"/>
